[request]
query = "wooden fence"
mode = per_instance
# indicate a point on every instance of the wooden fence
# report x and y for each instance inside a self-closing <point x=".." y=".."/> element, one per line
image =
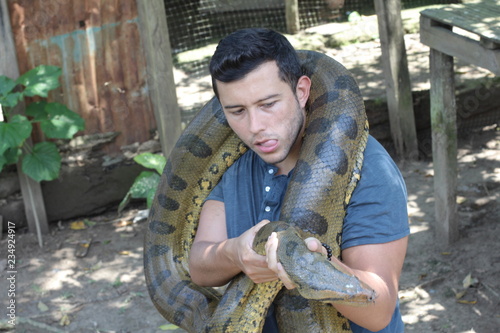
<point x="98" y="46"/>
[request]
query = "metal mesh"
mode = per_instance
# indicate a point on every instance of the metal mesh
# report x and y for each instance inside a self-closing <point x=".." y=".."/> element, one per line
<point x="199" y="24"/>
<point x="194" y="23"/>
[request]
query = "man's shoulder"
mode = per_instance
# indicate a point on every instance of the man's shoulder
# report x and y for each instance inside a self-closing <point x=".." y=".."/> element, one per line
<point x="380" y="175"/>
<point x="373" y="147"/>
<point x="376" y="157"/>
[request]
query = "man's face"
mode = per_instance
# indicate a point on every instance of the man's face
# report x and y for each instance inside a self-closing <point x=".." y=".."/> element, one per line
<point x="266" y="114"/>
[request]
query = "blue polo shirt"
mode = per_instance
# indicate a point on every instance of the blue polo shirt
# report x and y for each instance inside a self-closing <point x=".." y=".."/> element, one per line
<point x="377" y="213"/>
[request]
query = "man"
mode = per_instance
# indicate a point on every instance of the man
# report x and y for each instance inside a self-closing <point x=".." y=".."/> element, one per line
<point x="258" y="80"/>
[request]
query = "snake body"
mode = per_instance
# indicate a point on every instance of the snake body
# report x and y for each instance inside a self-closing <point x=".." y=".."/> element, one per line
<point x="325" y="176"/>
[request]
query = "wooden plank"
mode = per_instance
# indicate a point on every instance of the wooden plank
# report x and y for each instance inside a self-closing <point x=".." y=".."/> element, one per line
<point x="397" y="77"/>
<point x="30" y="189"/>
<point x="8" y="61"/>
<point x="34" y="205"/>
<point x="444" y="40"/>
<point x="292" y="16"/>
<point x="156" y="45"/>
<point x="444" y="145"/>
<point x="481" y="17"/>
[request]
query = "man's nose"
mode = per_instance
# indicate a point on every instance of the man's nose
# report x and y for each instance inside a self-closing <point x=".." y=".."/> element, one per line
<point x="256" y="122"/>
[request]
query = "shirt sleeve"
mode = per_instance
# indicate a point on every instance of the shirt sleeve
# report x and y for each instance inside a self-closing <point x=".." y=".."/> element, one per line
<point x="377" y="212"/>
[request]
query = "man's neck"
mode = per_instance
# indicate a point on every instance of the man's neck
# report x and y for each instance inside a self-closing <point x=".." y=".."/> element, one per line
<point x="290" y="161"/>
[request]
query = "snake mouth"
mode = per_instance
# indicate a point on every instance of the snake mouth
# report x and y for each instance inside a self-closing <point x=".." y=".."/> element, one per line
<point x="372" y="297"/>
<point x="363" y="298"/>
<point x="368" y="292"/>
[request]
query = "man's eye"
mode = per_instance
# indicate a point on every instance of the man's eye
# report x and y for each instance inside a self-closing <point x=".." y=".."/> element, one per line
<point x="268" y="105"/>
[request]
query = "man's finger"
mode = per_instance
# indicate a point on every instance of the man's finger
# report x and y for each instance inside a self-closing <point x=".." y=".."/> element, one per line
<point x="271" y="251"/>
<point x="314" y="245"/>
<point x="259" y="225"/>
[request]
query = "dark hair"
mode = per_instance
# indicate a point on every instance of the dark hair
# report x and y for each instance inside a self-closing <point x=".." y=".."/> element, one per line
<point x="244" y="50"/>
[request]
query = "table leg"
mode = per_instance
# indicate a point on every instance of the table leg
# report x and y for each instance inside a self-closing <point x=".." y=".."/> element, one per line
<point x="444" y="145"/>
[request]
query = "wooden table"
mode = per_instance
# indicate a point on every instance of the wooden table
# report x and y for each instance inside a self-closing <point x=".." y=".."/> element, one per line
<point x="477" y="41"/>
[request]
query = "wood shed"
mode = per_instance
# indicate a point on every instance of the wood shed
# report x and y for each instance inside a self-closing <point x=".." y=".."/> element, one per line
<point x="98" y="46"/>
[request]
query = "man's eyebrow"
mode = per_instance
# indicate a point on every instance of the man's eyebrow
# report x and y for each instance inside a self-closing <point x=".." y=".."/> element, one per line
<point x="256" y="102"/>
<point x="232" y="106"/>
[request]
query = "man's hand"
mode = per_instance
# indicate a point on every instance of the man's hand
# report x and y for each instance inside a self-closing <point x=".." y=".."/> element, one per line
<point x="313" y="244"/>
<point x="214" y="259"/>
<point x="252" y="264"/>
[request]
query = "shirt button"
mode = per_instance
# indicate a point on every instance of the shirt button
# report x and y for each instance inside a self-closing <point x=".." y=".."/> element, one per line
<point x="271" y="171"/>
<point x="268" y="209"/>
<point x="268" y="188"/>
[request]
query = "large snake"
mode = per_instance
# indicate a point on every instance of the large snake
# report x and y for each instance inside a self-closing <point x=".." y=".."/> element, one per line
<point x="323" y="180"/>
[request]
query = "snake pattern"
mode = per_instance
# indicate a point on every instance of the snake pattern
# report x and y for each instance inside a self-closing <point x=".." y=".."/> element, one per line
<point x="324" y="177"/>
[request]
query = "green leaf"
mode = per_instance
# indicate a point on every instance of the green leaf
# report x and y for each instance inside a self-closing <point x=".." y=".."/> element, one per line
<point x="6" y="85"/>
<point x="124" y="202"/>
<point x="3" y="162"/>
<point x="144" y="187"/>
<point x="143" y="183"/>
<point x="13" y="133"/>
<point x="11" y="155"/>
<point x="151" y="161"/>
<point x="40" y="80"/>
<point x="44" y="163"/>
<point x="42" y="307"/>
<point x="62" y="123"/>
<point x="11" y="99"/>
<point x="37" y="111"/>
<point x="167" y="327"/>
<point x="151" y="196"/>
<point x="7" y="97"/>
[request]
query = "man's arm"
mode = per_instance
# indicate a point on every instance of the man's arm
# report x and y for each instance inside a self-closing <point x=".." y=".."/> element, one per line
<point x="214" y="259"/>
<point x="378" y="265"/>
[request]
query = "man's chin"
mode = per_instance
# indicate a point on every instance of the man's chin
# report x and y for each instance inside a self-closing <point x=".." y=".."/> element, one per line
<point x="271" y="158"/>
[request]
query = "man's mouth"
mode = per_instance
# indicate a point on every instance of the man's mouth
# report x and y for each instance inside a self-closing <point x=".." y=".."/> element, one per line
<point x="267" y="146"/>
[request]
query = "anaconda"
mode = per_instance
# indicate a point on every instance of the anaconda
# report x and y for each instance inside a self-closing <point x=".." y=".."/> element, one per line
<point x="321" y="186"/>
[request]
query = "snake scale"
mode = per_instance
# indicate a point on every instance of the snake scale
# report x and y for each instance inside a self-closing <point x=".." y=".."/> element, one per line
<point x="325" y="176"/>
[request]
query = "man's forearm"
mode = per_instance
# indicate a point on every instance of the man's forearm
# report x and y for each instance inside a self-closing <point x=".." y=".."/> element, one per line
<point x="377" y="315"/>
<point x="210" y="264"/>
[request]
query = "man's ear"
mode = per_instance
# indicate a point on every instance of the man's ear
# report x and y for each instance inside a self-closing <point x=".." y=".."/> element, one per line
<point x="302" y="90"/>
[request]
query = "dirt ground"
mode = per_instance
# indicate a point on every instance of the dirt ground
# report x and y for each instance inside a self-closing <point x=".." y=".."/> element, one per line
<point x="105" y="291"/>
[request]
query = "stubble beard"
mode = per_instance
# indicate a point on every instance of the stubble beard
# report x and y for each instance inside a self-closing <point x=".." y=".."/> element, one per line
<point x="295" y="135"/>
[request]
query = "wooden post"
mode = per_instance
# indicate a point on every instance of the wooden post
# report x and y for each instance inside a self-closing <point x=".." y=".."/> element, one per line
<point x="30" y="189"/>
<point x="444" y="145"/>
<point x="292" y="16"/>
<point x="156" y="44"/>
<point x="397" y="78"/>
